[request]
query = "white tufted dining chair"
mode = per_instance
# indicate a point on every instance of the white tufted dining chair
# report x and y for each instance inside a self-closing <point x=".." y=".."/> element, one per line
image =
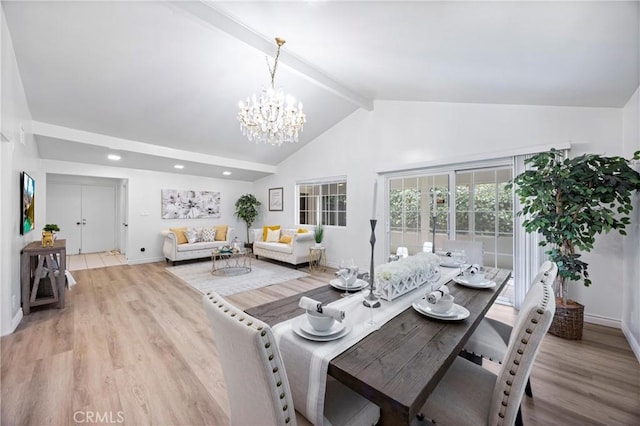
<point x="256" y="378"/>
<point x="491" y="338"/>
<point x="471" y="395"/>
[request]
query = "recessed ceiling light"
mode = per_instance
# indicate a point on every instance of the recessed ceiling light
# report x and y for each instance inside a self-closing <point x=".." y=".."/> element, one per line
<point x="226" y="173"/>
<point x="178" y="166"/>
<point x="113" y="157"/>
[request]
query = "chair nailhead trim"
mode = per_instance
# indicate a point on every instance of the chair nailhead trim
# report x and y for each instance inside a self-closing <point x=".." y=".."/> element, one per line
<point x="233" y="312"/>
<point x="520" y="351"/>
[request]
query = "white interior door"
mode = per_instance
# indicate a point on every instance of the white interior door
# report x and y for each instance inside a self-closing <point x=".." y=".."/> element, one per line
<point x="98" y="218"/>
<point x="86" y="215"/>
<point x="64" y="208"/>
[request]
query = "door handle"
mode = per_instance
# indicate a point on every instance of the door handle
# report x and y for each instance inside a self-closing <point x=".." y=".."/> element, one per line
<point x="125" y="225"/>
<point x="84" y="221"/>
<point x="78" y="223"/>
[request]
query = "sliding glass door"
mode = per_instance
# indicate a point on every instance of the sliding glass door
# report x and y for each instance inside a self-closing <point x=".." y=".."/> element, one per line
<point x="459" y="204"/>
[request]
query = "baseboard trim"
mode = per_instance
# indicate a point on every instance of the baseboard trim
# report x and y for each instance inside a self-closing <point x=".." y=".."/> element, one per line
<point x="607" y="322"/>
<point x="147" y="260"/>
<point x="15" y="322"/>
<point x="631" y="339"/>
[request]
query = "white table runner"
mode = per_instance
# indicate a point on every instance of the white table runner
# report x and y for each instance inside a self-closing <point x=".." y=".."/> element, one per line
<point x="307" y="361"/>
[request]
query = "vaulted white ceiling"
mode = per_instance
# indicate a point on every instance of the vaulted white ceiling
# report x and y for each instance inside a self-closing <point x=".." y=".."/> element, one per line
<point x="159" y="82"/>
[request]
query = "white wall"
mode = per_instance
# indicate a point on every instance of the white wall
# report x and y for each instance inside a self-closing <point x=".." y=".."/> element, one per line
<point x="631" y="266"/>
<point x="15" y="157"/>
<point x="144" y="218"/>
<point x="398" y="135"/>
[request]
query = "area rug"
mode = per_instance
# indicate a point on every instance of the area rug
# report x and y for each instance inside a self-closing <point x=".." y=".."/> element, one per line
<point x="198" y="275"/>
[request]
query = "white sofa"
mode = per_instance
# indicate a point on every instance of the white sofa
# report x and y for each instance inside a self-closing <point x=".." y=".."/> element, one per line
<point x="175" y="252"/>
<point x="295" y="253"/>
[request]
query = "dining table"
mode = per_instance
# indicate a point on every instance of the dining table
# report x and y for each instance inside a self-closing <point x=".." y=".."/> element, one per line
<point x="398" y="366"/>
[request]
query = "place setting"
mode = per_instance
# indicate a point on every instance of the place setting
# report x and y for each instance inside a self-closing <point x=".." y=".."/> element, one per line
<point x="439" y="304"/>
<point x="452" y="259"/>
<point x="474" y="277"/>
<point x="347" y="278"/>
<point x="320" y="323"/>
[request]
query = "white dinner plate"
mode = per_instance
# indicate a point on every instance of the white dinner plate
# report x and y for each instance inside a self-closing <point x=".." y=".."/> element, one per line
<point x="481" y="284"/>
<point x="457" y="312"/>
<point x="449" y="262"/>
<point x="336" y="328"/>
<point x="358" y="285"/>
<point x="296" y="326"/>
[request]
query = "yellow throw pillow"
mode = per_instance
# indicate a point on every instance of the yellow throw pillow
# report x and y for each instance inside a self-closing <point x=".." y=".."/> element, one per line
<point x="180" y="236"/>
<point x="221" y="232"/>
<point x="302" y="230"/>
<point x="285" y="239"/>
<point x="265" y="229"/>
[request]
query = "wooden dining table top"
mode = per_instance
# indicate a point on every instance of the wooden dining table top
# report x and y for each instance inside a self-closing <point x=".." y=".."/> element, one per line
<point x="399" y="365"/>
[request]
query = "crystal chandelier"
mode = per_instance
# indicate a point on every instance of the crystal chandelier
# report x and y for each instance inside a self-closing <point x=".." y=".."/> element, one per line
<point x="272" y="117"/>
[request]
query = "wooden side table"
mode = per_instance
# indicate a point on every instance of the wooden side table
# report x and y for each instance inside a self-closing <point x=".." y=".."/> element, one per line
<point x="34" y="259"/>
<point x="317" y="259"/>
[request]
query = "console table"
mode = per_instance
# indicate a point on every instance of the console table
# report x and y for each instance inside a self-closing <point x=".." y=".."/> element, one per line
<point x="35" y="259"/>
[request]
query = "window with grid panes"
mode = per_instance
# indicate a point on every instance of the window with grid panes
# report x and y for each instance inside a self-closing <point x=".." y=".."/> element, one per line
<point x="323" y="202"/>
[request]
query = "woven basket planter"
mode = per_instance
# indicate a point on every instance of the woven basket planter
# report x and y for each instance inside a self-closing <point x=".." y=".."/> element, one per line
<point x="568" y="320"/>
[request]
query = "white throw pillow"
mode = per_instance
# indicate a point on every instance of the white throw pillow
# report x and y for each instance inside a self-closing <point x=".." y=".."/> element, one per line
<point x="273" y="235"/>
<point x="192" y="234"/>
<point x="208" y="234"/>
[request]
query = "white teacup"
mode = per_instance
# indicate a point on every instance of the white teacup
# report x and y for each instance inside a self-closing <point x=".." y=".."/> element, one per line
<point x="444" y="305"/>
<point x="478" y="277"/>
<point x="320" y="322"/>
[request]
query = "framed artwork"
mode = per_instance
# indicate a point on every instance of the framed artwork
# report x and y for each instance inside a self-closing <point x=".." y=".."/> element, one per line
<point x="178" y="204"/>
<point x="275" y="199"/>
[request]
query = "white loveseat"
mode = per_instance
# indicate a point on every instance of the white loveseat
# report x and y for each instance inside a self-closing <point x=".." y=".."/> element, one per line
<point x="296" y="252"/>
<point x="175" y="252"/>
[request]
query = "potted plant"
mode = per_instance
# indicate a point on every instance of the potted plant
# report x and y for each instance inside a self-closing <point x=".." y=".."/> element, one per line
<point x="51" y="227"/>
<point x="247" y="210"/>
<point x="318" y="234"/>
<point x="569" y="201"/>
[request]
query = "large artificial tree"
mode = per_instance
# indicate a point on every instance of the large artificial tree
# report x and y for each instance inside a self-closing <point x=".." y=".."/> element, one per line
<point x="247" y="210"/>
<point x="570" y="201"/>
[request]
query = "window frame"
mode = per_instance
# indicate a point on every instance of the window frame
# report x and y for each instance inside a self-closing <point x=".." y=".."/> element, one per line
<point x="323" y="202"/>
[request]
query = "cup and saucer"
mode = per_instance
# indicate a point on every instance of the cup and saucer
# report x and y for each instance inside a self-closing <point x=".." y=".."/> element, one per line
<point x="318" y="327"/>
<point x="444" y="309"/>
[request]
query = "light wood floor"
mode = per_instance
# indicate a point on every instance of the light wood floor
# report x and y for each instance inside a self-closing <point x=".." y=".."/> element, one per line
<point x="133" y="344"/>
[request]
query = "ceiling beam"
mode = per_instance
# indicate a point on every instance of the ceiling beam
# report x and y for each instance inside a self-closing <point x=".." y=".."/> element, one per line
<point x="127" y="145"/>
<point x="206" y="11"/>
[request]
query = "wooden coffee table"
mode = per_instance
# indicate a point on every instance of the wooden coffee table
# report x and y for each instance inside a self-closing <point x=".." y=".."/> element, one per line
<point x="231" y="263"/>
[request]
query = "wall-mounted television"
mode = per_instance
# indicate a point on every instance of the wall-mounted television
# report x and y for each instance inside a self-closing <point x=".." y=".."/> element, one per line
<point x="28" y="203"/>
